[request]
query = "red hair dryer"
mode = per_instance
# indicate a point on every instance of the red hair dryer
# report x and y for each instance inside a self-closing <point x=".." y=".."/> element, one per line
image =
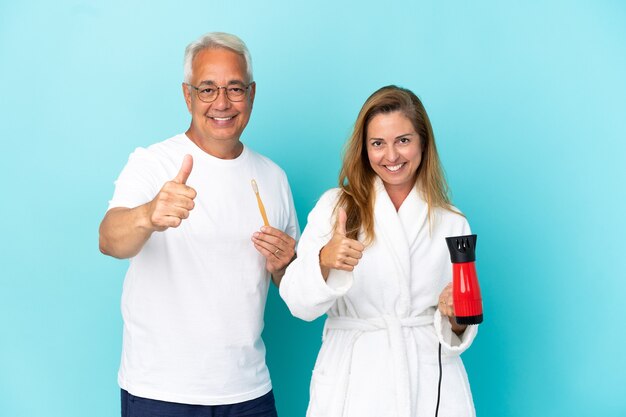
<point x="468" y="304"/>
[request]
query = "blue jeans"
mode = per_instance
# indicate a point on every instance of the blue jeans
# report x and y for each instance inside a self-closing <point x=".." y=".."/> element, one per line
<point x="133" y="406"/>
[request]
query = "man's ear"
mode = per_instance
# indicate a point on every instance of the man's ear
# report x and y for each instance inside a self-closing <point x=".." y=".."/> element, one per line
<point x="187" y="95"/>
<point x="252" y="92"/>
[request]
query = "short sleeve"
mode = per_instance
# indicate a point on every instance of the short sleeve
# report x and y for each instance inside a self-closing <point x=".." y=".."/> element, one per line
<point x="293" y="228"/>
<point x="138" y="182"/>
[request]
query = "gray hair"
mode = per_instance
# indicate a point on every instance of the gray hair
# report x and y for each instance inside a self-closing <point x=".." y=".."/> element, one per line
<point x="216" y="40"/>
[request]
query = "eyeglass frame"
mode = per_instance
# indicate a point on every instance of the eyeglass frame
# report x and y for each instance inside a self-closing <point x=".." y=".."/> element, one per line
<point x="246" y="88"/>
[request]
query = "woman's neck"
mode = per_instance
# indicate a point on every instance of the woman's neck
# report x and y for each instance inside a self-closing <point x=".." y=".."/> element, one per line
<point x="398" y="194"/>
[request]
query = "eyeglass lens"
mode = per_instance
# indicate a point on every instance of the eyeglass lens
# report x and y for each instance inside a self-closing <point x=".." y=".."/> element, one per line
<point x="210" y="92"/>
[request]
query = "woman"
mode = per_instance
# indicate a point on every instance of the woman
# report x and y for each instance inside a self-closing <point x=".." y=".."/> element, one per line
<point x="373" y="257"/>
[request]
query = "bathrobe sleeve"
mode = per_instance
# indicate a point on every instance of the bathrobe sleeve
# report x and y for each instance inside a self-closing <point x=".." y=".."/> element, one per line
<point x="451" y="343"/>
<point x="303" y="288"/>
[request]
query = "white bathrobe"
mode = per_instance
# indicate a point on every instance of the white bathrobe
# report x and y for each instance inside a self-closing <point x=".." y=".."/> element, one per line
<point x="379" y="351"/>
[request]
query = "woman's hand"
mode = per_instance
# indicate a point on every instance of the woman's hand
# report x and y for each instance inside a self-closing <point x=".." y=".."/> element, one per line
<point x="340" y="252"/>
<point x="446" y="307"/>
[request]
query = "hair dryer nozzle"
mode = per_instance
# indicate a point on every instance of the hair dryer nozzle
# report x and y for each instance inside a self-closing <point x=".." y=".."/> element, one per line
<point x="462" y="248"/>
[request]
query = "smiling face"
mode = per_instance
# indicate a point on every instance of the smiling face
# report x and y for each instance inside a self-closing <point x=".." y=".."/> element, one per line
<point x="221" y="122"/>
<point x="394" y="151"/>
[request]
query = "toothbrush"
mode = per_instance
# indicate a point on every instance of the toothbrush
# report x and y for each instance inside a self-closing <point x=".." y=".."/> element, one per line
<point x="258" y="200"/>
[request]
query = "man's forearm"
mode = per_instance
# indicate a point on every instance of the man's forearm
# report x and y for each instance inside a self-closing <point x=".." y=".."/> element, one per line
<point x="278" y="276"/>
<point x="124" y="231"/>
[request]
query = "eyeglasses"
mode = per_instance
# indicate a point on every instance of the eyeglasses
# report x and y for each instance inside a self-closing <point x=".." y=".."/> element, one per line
<point x="209" y="92"/>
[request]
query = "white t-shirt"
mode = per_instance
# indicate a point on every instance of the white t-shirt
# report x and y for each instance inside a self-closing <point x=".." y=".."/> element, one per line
<point x="194" y="296"/>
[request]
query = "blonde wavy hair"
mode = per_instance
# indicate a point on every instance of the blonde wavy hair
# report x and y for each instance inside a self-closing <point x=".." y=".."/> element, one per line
<point x="356" y="178"/>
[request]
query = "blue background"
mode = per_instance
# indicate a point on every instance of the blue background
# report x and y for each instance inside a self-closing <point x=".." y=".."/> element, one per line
<point x="528" y="104"/>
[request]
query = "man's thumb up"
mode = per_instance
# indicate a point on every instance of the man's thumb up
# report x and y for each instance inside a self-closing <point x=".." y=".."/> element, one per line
<point x="185" y="170"/>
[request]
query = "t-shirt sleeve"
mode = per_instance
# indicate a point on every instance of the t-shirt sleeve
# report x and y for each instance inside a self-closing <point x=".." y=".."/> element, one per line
<point x="293" y="228"/>
<point x="137" y="183"/>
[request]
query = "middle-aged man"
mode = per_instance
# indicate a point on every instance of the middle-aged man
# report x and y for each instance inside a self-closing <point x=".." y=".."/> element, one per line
<point x="185" y="213"/>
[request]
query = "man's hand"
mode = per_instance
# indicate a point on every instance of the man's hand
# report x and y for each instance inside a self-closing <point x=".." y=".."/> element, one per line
<point x="124" y="231"/>
<point x="278" y="248"/>
<point x="340" y="252"/>
<point x="175" y="200"/>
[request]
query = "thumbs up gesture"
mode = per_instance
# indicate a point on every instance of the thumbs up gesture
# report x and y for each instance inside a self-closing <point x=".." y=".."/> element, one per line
<point x="340" y="252"/>
<point x="175" y="200"/>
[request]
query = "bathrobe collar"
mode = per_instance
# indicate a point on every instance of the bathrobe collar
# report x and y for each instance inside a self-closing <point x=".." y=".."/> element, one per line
<point x="398" y="231"/>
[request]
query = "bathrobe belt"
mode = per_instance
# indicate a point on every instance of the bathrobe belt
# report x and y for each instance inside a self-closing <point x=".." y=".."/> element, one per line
<point x="393" y="325"/>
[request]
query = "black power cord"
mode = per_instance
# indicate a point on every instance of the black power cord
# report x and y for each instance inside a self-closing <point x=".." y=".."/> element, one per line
<point x="439" y="387"/>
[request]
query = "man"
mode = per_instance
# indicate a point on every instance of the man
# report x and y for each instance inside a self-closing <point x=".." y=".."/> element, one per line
<point x="185" y="213"/>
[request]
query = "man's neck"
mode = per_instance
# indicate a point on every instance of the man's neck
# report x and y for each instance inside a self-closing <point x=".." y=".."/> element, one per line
<point x="222" y="149"/>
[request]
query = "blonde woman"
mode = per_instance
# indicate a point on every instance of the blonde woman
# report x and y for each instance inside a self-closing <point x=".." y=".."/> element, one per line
<point x="373" y="257"/>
